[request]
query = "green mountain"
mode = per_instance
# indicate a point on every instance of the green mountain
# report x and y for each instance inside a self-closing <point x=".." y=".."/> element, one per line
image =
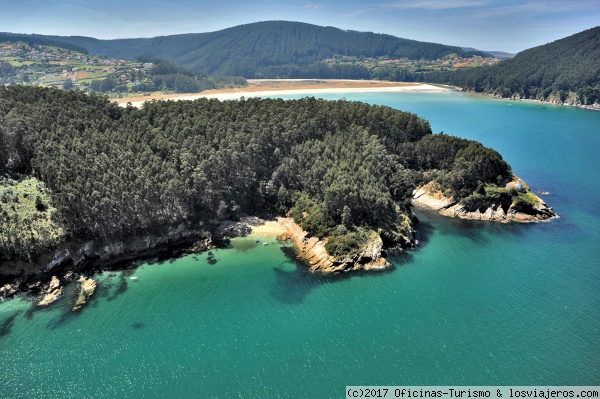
<point x="264" y="48"/>
<point x="564" y="71"/>
<point x="497" y="54"/>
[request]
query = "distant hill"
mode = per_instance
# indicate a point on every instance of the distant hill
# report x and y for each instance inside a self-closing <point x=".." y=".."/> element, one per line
<point x="498" y="54"/>
<point x="40" y="40"/>
<point x="263" y="48"/>
<point x="564" y="71"/>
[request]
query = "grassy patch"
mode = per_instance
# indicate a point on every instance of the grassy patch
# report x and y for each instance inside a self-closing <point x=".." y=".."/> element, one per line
<point x="27" y="219"/>
<point x="527" y="199"/>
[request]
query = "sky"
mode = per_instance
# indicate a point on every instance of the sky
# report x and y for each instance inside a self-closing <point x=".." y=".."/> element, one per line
<point x="506" y="25"/>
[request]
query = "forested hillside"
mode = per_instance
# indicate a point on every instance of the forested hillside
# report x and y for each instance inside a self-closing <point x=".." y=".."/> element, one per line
<point x="567" y="70"/>
<point x="266" y="49"/>
<point x="107" y="173"/>
<point x="34" y="40"/>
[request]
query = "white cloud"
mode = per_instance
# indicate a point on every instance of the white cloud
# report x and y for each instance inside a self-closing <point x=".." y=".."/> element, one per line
<point x="538" y="7"/>
<point x="313" y="6"/>
<point x="437" y="5"/>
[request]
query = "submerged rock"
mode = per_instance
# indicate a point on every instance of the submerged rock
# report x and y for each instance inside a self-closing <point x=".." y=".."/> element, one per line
<point x="88" y="286"/>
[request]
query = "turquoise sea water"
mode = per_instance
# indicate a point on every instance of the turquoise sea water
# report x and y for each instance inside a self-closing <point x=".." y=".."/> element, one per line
<point x="476" y="304"/>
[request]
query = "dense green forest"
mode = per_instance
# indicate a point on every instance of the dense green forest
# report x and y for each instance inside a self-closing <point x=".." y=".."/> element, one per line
<point x="567" y="70"/>
<point x="34" y="40"/>
<point x="76" y="166"/>
<point x="267" y="49"/>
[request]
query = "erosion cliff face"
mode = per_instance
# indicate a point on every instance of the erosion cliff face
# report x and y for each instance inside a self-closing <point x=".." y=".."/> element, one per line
<point x="487" y="210"/>
<point x="313" y="250"/>
<point x="82" y="256"/>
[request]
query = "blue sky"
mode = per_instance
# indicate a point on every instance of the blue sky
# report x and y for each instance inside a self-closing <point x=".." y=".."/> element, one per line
<point x="509" y="25"/>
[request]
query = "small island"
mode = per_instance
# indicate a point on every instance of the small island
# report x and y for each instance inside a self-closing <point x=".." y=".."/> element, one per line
<point x="87" y="184"/>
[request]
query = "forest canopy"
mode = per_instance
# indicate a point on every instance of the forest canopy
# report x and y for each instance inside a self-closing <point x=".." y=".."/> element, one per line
<point x="567" y="69"/>
<point x="108" y="172"/>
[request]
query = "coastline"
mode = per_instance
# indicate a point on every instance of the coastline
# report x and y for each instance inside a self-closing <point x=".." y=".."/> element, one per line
<point x="532" y="100"/>
<point x="274" y="87"/>
<point x="424" y="198"/>
<point x="85" y="259"/>
<point x="88" y="258"/>
<point x="250" y="225"/>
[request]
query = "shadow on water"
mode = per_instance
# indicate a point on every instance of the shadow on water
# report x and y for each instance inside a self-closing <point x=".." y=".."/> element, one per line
<point x="244" y="244"/>
<point x="431" y="222"/>
<point x="211" y="258"/>
<point x="66" y="303"/>
<point x="120" y="290"/>
<point x="138" y="326"/>
<point x="424" y="229"/>
<point x="7" y="324"/>
<point x="293" y="286"/>
<point x="478" y="231"/>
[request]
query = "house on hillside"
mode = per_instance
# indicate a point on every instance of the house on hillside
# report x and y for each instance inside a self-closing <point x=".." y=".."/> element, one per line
<point x="517" y="185"/>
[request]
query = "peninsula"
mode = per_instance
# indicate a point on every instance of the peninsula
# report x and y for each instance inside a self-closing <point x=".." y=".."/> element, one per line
<point x="87" y="184"/>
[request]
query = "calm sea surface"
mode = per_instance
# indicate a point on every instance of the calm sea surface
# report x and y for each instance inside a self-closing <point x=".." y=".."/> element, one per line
<point x="476" y="304"/>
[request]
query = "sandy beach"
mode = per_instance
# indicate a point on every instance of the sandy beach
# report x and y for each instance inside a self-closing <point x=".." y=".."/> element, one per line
<point x="271" y="227"/>
<point x="250" y="225"/>
<point x="274" y="87"/>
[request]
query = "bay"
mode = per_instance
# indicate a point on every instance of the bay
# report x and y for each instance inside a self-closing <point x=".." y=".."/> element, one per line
<point x="475" y="304"/>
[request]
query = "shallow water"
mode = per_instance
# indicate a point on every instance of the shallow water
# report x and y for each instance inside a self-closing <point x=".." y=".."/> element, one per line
<point x="476" y="304"/>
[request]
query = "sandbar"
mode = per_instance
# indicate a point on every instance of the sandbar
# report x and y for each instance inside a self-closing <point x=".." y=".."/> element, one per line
<point x="282" y="87"/>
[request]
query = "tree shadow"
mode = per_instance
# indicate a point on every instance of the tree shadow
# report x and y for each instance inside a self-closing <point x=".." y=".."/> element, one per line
<point x="121" y="288"/>
<point x="7" y="324"/>
<point x="293" y="286"/>
<point x="479" y="231"/>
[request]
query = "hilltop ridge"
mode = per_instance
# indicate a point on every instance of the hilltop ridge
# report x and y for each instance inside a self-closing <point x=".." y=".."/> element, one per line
<point x="264" y="49"/>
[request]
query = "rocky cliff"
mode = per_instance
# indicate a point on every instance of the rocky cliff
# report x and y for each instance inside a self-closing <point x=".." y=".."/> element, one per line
<point x="313" y="250"/>
<point x="89" y="256"/>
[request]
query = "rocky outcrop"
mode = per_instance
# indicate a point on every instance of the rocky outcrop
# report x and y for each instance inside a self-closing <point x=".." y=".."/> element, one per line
<point x="313" y="251"/>
<point x="424" y="198"/>
<point x="8" y="290"/>
<point x="88" y="286"/>
<point x="52" y="293"/>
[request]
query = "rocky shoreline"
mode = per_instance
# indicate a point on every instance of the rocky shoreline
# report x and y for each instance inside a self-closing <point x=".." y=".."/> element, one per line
<point x="81" y="259"/>
<point x="516" y="97"/>
<point x="370" y="257"/>
<point x="47" y="278"/>
<point x="489" y="211"/>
